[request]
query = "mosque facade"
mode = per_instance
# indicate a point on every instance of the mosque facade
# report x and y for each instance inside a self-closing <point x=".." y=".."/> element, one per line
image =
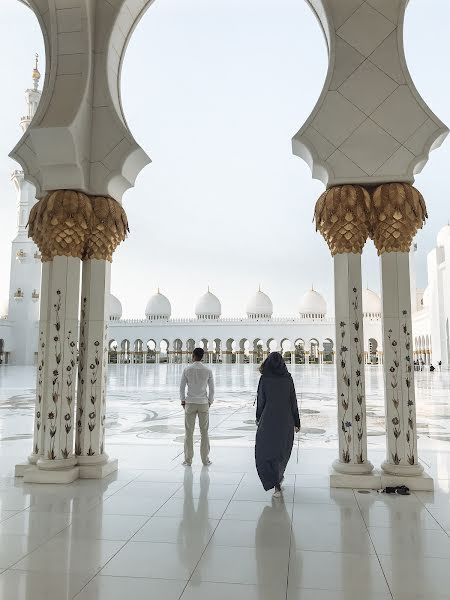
<point x="308" y="337"/>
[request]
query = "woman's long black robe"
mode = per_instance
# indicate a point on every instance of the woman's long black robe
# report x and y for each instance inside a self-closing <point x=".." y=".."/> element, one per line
<point x="276" y="415"/>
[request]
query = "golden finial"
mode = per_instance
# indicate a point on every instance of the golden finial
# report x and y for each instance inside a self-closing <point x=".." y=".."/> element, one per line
<point x="36" y="74"/>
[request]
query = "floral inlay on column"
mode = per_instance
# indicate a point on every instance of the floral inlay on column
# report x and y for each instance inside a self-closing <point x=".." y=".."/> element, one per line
<point x="395" y="395"/>
<point x="358" y="346"/>
<point x="81" y="381"/>
<point x="93" y="376"/>
<point x="346" y="424"/>
<point x="408" y="381"/>
<point x="56" y="383"/>
<point x="39" y="390"/>
<point x="70" y="368"/>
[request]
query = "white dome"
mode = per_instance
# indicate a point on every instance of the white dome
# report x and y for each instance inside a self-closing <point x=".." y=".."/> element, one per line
<point x="426" y="299"/>
<point x="443" y="236"/>
<point x="4" y="309"/>
<point x="208" y="306"/>
<point x="313" y="304"/>
<point x="115" y="308"/>
<point x="371" y="303"/>
<point x="158" y="307"/>
<point x="260" y="306"/>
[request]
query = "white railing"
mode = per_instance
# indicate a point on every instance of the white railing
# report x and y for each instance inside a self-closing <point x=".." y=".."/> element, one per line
<point x="223" y="321"/>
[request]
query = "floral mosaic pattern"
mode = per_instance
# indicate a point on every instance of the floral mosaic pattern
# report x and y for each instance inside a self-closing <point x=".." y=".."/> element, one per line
<point x="56" y="378"/>
<point x="359" y="383"/>
<point x="352" y="383"/>
<point x="81" y="377"/>
<point x="401" y="371"/>
<point x="39" y="391"/>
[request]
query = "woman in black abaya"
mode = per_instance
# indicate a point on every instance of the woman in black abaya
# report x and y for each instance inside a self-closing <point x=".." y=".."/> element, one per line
<point x="277" y="418"/>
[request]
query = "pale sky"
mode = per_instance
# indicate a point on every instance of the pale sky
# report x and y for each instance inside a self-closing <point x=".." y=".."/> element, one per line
<point x="214" y="90"/>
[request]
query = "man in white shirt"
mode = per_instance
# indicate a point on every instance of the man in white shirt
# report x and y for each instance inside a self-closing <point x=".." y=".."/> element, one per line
<point x="200" y="395"/>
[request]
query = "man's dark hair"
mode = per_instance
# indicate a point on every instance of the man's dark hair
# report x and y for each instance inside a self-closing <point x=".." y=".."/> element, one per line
<point x="198" y="353"/>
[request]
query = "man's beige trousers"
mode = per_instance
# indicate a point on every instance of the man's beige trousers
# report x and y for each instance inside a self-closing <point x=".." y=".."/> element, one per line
<point x="191" y="411"/>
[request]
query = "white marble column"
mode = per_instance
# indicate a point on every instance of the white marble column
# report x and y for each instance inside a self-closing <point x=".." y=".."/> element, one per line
<point x="57" y="461"/>
<point x="401" y="428"/>
<point x="41" y="375"/>
<point x="352" y="427"/>
<point x="92" y="371"/>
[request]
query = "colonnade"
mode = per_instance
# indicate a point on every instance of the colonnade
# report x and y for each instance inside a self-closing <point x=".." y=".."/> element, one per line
<point x="390" y="215"/>
<point x="366" y="138"/>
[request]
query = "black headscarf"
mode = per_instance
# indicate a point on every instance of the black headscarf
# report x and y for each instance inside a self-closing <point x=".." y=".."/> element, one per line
<point x="274" y="365"/>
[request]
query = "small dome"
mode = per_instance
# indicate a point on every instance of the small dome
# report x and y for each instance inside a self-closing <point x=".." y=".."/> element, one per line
<point x="115" y="308"/>
<point x="426" y="298"/>
<point x="158" y="307"/>
<point x="313" y="305"/>
<point x="371" y="303"/>
<point x="443" y="236"/>
<point x="208" y="306"/>
<point x="260" y="306"/>
<point x="4" y="309"/>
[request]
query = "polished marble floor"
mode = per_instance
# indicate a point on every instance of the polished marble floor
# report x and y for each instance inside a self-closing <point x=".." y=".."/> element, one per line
<point x="157" y="530"/>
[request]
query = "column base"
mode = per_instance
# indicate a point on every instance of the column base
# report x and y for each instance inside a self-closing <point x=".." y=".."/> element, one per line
<point x="362" y="481"/>
<point x="36" y="475"/>
<point x="401" y="470"/>
<point x="353" y="468"/>
<point x="416" y="483"/>
<point x="98" y="471"/>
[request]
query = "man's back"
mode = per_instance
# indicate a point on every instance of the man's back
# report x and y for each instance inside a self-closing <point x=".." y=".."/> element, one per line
<point x="200" y="384"/>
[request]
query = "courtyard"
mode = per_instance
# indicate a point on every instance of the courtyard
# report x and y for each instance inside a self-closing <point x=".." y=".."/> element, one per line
<point x="155" y="529"/>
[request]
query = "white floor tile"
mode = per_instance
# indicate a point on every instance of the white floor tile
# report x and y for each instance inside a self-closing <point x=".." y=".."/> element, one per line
<point x="396" y="518"/>
<point x="214" y="491"/>
<point x="420" y="576"/>
<point x="302" y="594"/>
<point x="14" y="547"/>
<point x="118" y="588"/>
<point x="189" y="508"/>
<point x="267" y="534"/>
<point x="97" y="526"/>
<point x="62" y="555"/>
<point x="411" y="543"/>
<point x="243" y="510"/>
<point x="256" y="493"/>
<point x="337" y="571"/>
<point x="340" y="497"/>
<point x="226" y="591"/>
<point x="25" y="585"/>
<point x="131" y="505"/>
<point x="7" y="514"/>
<point x="259" y="565"/>
<point x="154" y="560"/>
<point x="348" y="537"/>
<point x="176" y="530"/>
<point x="35" y="524"/>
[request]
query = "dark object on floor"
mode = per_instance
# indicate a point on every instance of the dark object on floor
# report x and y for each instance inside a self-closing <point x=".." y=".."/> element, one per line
<point x="401" y="490"/>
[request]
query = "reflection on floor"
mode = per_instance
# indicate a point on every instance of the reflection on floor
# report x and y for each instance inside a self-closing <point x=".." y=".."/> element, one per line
<point x="157" y="530"/>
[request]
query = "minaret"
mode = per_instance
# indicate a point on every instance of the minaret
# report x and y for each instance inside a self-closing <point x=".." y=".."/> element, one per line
<point x="25" y="275"/>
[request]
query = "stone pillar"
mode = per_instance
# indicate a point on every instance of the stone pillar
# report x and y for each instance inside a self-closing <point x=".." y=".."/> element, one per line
<point x="92" y="371"/>
<point x="343" y="218"/>
<point x="398" y="212"/>
<point x="68" y="226"/>
<point x="60" y="225"/>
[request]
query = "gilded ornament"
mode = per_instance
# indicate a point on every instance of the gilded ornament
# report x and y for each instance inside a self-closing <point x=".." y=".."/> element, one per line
<point x="398" y="212"/>
<point x="342" y="216"/>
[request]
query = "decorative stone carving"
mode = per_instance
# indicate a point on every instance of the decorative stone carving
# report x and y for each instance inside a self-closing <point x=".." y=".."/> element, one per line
<point x="79" y="138"/>
<point x="109" y="228"/>
<point x="398" y="211"/>
<point x="370" y="124"/>
<point x="342" y="216"/>
<point x="69" y="223"/>
<point x="60" y="223"/>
